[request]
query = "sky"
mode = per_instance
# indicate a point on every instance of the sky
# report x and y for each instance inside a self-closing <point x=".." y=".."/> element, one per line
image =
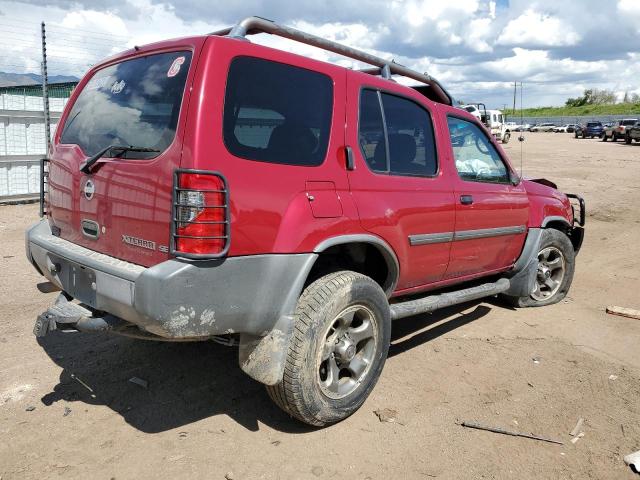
<point x="475" y="48"/>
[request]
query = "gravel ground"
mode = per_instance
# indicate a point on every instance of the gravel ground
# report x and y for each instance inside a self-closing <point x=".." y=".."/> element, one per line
<point x="67" y="408"/>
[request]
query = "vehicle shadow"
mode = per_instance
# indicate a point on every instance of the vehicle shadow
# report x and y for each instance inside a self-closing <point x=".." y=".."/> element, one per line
<point x="414" y="331"/>
<point x="188" y="382"/>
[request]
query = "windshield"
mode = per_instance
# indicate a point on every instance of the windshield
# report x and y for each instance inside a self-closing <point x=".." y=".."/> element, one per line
<point x="135" y="102"/>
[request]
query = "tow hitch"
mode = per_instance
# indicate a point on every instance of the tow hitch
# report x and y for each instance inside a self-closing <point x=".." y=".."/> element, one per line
<point x="66" y="315"/>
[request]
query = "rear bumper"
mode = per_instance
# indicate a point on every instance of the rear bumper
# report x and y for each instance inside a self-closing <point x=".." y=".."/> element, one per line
<point x="176" y="298"/>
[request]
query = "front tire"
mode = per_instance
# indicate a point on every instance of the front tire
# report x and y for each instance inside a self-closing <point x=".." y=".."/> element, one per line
<point x="338" y="348"/>
<point x="627" y="139"/>
<point x="604" y="137"/>
<point x="506" y="138"/>
<point x="556" y="265"/>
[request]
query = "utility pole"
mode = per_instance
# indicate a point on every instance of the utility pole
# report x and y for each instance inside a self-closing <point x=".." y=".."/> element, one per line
<point x="45" y="89"/>
<point x="515" y="86"/>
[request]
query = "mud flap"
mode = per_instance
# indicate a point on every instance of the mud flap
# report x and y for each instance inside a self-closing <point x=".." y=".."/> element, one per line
<point x="263" y="358"/>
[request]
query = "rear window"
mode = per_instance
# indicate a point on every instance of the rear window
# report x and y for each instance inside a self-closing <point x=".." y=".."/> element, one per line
<point x="135" y="102"/>
<point x="628" y="122"/>
<point x="594" y="124"/>
<point x="277" y="113"/>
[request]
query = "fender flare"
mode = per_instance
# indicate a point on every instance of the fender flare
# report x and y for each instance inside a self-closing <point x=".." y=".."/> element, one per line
<point x="383" y="247"/>
<point x="554" y="218"/>
<point x="263" y="357"/>
<point x="523" y="273"/>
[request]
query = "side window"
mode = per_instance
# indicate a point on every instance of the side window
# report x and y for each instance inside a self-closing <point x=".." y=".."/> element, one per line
<point x="410" y="135"/>
<point x="371" y="132"/>
<point x="277" y="113"/>
<point x="402" y="141"/>
<point x="476" y="158"/>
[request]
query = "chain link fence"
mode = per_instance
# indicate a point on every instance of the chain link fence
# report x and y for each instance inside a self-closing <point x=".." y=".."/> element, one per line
<point x="564" y="120"/>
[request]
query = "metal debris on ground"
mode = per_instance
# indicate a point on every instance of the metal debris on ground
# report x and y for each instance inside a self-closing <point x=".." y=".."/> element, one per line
<point x="536" y="360"/>
<point x="577" y="428"/>
<point x="387" y="415"/>
<point x="575" y="439"/>
<point x="633" y="460"/>
<point x="139" y="381"/>
<point x="507" y="432"/>
<point x="624" y="312"/>
<point x="613" y="377"/>
<point x="93" y="395"/>
<point x="30" y="408"/>
<point x="67" y="411"/>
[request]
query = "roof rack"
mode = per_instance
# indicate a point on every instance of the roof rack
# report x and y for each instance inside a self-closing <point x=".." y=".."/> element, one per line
<point x="254" y="25"/>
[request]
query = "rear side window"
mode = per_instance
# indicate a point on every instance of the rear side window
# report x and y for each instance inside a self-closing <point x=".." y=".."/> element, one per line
<point x="135" y="102"/>
<point x="399" y="142"/>
<point x="277" y="113"/>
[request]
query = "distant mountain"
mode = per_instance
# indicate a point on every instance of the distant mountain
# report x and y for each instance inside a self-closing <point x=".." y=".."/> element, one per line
<point x="10" y="79"/>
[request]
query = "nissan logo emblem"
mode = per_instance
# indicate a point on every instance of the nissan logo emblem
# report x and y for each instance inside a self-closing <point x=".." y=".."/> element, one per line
<point x="89" y="190"/>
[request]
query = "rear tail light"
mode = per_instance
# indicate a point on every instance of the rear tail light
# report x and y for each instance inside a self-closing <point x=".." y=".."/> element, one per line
<point x="200" y="223"/>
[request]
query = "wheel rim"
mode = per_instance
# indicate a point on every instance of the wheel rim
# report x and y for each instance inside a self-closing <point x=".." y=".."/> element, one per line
<point x="551" y="271"/>
<point x="347" y="352"/>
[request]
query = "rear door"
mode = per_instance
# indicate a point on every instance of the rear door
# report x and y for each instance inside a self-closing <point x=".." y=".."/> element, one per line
<point x="491" y="213"/>
<point x="401" y="193"/>
<point x="122" y="208"/>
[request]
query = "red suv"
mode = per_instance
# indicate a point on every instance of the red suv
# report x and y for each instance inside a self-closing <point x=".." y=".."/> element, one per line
<point x="211" y="188"/>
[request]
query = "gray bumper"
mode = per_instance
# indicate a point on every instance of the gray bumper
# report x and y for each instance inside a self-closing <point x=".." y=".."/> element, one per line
<point x="176" y="298"/>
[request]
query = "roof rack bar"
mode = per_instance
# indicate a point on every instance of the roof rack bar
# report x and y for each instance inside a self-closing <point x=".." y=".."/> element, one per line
<point x="253" y="25"/>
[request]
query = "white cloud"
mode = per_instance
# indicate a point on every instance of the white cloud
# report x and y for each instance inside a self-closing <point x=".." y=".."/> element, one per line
<point x="537" y="29"/>
<point x="475" y="47"/>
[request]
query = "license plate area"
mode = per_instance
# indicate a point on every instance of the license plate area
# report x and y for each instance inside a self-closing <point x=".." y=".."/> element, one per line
<point x="77" y="280"/>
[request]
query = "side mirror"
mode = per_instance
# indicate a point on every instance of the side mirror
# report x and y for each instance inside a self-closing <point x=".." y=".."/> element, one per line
<point x="514" y="178"/>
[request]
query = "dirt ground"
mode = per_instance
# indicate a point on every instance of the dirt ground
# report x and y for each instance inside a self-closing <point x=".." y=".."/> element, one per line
<point x="532" y="370"/>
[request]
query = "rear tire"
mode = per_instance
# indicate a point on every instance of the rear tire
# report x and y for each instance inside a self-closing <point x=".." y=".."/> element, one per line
<point x="337" y="350"/>
<point x="506" y="138"/>
<point x="604" y="137"/>
<point x="556" y="265"/>
<point x="627" y="139"/>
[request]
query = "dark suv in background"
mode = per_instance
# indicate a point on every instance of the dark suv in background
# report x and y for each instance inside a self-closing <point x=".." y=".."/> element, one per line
<point x="590" y="130"/>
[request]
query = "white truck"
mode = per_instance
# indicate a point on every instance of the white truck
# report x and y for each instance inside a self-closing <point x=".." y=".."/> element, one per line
<point x="494" y="120"/>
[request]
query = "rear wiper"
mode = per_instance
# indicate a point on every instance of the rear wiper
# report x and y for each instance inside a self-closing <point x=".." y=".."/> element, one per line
<point x="86" y="166"/>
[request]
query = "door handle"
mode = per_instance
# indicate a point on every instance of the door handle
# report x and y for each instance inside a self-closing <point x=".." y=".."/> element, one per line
<point x="351" y="164"/>
<point x="466" y="199"/>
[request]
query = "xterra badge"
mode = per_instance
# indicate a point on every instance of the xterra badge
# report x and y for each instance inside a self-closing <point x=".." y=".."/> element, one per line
<point x="139" y="242"/>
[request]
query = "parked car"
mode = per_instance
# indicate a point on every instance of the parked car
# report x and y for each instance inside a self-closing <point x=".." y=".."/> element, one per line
<point x="632" y="133"/>
<point x="543" y="127"/>
<point x="619" y="130"/>
<point x="209" y="188"/>
<point x="566" y="128"/>
<point x="523" y="128"/>
<point x="589" y="130"/>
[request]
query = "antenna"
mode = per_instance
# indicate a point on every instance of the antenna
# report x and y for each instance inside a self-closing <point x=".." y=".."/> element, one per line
<point x="521" y="138"/>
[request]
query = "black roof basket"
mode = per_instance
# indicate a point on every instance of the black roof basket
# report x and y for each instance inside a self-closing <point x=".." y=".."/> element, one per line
<point x="385" y="68"/>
